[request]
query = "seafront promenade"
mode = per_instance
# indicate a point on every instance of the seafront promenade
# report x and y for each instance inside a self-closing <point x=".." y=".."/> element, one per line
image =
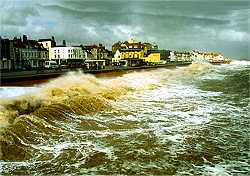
<point x="50" y="73"/>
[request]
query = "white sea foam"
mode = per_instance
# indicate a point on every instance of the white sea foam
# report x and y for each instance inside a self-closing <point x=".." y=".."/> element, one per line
<point x="240" y="62"/>
<point x="215" y="170"/>
<point x="162" y="111"/>
<point x="10" y="92"/>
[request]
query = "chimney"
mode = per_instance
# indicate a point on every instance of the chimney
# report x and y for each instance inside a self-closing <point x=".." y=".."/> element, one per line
<point x="64" y="43"/>
<point x="53" y="43"/>
<point x="25" y="39"/>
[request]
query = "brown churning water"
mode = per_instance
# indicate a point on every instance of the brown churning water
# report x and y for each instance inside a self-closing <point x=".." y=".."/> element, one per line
<point x="188" y="120"/>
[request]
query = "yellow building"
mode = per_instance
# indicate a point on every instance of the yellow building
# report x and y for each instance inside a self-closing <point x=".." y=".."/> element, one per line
<point x="153" y="58"/>
<point x="133" y="53"/>
<point x="133" y="56"/>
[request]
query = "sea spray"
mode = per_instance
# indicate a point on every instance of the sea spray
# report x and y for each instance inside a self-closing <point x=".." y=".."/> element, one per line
<point x="163" y="121"/>
<point x="66" y="88"/>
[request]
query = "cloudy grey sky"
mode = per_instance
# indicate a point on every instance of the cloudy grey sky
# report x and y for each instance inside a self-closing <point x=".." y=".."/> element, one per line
<point x="206" y="25"/>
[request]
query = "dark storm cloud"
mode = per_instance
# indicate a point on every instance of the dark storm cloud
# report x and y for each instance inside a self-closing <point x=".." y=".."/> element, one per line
<point x="17" y="16"/>
<point x="206" y="25"/>
<point x="125" y="17"/>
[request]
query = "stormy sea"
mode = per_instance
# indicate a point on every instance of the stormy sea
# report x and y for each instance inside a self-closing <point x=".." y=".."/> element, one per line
<point x="190" y="120"/>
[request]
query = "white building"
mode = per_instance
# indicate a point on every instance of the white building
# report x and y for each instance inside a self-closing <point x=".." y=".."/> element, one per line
<point x="172" y="56"/>
<point x="180" y="56"/>
<point x="117" y="56"/>
<point x="67" y="53"/>
<point x="207" y="56"/>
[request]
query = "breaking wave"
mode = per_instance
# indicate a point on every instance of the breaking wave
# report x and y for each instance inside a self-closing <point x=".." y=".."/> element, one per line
<point x="162" y="121"/>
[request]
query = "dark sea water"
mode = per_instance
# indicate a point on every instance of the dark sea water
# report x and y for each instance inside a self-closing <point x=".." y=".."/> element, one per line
<point x="191" y="120"/>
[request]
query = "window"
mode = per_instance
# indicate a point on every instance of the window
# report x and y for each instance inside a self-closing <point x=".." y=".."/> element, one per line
<point x="58" y="56"/>
<point x="69" y="56"/>
<point x="68" y="51"/>
<point x="55" y="55"/>
<point x="58" y="51"/>
<point x="46" y="44"/>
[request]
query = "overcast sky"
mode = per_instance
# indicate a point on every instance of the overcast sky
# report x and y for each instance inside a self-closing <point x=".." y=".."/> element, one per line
<point x="206" y="25"/>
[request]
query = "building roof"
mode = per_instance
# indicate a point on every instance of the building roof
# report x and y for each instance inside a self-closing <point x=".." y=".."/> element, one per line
<point x="44" y="40"/>
<point x="89" y="47"/>
<point x="131" y="49"/>
<point x="132" y="41"/>
<point x="154" y="51"/>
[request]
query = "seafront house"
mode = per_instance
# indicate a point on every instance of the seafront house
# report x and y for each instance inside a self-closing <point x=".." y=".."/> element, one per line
<point x="131" y="51"/>
<point x="97" y="56"/>
<point x="150" y="46"/>
<point x="207" y="56"/>
<point x="30" y="53"/>
<point x="96" y="51"/>
<point x="48" y="44"/>
<point x="132" y="43"/>
<point x="153" y="57"/>
<point x="165" y="56"/>
<point x="72" y="56"/>
<point x="180" y="56"/>
<point x="134" y="56"/>
<point x="117" y="57"/>
<point x="22" y="54"/>
<point x="156" y="56"/>
<point x="116" y="46"/>
<point x="31" y="57"/>
<point x="136" y="53"/>
<point x="7" y="55"/>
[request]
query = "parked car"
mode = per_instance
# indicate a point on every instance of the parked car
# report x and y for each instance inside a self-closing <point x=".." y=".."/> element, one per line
<point x="51" y="64"/>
